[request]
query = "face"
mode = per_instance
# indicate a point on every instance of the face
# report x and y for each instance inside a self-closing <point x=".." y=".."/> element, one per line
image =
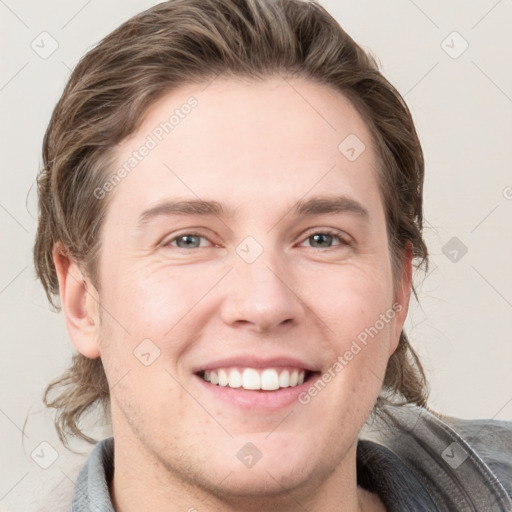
<point x="246" y="248"/>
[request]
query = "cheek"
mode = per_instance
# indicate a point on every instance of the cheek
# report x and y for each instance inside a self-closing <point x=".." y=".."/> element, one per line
<point x="355" y="304"/>
<point x="155" y="316"/>
<point x="349" y="298"/>
<point x="152" y="299"/>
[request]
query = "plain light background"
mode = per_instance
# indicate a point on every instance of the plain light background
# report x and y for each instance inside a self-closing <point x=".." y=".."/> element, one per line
<point x="461" y="100"/>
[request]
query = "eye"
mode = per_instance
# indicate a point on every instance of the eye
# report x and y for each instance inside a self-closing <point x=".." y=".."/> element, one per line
<point x="324" y="239"/>
<point x="188" y="241"/>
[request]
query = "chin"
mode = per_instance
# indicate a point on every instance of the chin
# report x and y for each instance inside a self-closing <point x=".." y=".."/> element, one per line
<point x="265" y="482"/>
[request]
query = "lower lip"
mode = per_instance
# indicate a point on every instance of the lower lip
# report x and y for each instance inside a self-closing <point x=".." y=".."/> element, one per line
<point x="257" y="399"/>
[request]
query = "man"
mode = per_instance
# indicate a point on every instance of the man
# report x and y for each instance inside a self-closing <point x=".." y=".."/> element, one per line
<point x="230" y="211"/>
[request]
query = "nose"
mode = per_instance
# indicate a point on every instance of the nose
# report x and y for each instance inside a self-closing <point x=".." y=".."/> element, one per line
<point x="261" y="295"/>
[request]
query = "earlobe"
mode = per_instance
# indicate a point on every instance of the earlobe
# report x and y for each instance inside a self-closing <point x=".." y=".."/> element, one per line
<point x="80" y="303"/>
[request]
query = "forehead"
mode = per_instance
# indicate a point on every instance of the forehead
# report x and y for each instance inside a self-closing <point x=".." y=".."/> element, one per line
<point x="246" y="142"/>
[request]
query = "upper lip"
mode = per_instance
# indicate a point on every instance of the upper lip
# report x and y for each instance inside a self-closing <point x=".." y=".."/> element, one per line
<point x="246" y="361"/>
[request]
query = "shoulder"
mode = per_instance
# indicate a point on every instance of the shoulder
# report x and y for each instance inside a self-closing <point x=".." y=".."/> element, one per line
<point x="491" y="440"/>
<point x="461" y="463"/>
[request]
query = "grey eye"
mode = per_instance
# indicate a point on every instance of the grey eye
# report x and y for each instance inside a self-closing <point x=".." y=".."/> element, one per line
<point x="320" y="240"/>
<point x="188" y="241"/>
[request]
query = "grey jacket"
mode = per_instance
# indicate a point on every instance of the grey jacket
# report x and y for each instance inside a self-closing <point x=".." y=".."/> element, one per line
<point x="413" y="459"/>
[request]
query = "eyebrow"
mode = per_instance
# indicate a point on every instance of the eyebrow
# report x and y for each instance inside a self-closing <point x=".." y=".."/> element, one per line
<point x="318" y="205"/>
<point x="190" y="207"/>
<point x="330" y="204"/>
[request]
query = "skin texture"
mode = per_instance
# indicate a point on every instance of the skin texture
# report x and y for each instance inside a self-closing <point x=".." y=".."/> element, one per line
<point x="256" y="148"/>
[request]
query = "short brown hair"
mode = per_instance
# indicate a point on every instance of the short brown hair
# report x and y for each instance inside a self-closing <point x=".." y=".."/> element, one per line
<point x="182" y="42"/>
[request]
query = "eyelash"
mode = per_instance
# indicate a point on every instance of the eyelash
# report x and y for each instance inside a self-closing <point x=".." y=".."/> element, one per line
<point x="327" y="231"/>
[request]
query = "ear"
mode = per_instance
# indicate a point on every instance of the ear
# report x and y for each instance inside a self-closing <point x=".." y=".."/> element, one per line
<point x="80" y="303"/>
<point x="402" y="295"/>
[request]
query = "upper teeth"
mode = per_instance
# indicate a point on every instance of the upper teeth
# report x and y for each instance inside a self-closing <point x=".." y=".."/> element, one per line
<point x="267" y="379"/>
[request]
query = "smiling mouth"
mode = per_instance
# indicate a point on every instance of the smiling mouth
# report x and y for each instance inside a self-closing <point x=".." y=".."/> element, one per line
<point x="252" y="379"/>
